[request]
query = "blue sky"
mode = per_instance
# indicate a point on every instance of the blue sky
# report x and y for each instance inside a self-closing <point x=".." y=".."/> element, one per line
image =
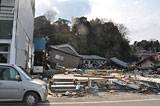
<point x="141" y="17"/>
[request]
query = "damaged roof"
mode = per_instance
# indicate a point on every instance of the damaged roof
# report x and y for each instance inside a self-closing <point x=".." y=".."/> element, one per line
<point x="119" y="62"/>
<point x="63" y="47"/>
<point x="92" y="57"/>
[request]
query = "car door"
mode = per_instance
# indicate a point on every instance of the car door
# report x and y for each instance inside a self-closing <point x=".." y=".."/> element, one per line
<point x="10" y="88"/>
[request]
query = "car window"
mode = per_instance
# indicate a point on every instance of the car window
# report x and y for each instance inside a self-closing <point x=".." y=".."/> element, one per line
<point x="23" y="72"/>
<point x="13" y="74"/>
<point x="8" y="73"/>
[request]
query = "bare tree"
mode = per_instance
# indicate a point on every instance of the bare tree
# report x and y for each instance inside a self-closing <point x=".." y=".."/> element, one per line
<point x="123" y="30"/>
<point x="50" y="15"/>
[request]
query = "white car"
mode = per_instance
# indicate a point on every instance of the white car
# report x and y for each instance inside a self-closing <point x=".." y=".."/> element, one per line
<point x="17" y="85"/>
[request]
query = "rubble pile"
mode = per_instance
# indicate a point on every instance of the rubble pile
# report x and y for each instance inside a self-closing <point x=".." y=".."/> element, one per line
<point x="78" y="83"/>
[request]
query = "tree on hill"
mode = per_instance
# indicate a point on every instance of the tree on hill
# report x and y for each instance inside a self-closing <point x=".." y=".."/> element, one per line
<point x="152" y="45"/>
<point x="95" y="37"/>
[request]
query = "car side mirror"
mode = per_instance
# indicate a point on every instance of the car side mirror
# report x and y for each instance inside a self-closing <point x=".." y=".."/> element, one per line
<point x="18" y="78"/>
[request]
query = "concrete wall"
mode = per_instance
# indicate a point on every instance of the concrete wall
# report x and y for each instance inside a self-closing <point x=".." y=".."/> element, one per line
<point x="69" y="60"/>
<point x="22" y="32"/>
<point x="26" y="18"/>
<point x="24" y="36"/>
<point x="7" y="40"/>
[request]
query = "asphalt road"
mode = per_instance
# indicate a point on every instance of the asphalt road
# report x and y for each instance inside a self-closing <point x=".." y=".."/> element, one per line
<point x="100" y="100"/>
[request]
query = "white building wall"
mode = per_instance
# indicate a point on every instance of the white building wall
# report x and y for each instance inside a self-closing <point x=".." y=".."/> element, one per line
<point x="26" y="18"/>
<point x="24" y="36"/>
<point x="8" y="41"/>
<point x="14" y="33"/>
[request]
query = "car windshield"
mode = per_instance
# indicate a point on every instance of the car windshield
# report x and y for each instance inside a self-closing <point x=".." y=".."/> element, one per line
<point x="24" y="72"/>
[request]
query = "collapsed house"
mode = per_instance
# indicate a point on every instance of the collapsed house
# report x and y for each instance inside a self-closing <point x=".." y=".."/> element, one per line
<point x="65" y="55"/>
<point x="148" y="62"/>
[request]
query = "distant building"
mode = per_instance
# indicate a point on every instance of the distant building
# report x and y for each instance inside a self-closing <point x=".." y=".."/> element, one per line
<point x="65" y="55"/>
<point x="143" y="54"/>
<point x="16" y="32"/>
<point x="92" y="61"/>
<point x="147" y="62"/>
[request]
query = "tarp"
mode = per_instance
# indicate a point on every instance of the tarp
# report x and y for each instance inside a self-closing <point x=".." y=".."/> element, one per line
<point x="39" y="43"/>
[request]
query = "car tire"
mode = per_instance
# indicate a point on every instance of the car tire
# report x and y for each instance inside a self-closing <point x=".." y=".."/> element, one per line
<point x="31" y="99"/>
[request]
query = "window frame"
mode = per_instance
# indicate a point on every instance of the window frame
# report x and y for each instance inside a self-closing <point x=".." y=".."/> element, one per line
<point x="59" y="57"/>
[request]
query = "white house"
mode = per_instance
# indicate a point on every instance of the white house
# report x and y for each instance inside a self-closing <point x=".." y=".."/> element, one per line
<point x="16" y="32"/>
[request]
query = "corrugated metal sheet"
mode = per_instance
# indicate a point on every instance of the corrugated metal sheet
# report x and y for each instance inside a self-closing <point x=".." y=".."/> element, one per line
<point x="92" y="57"/>
<point x="39" y="43"/>
<point x="117" y="61"/>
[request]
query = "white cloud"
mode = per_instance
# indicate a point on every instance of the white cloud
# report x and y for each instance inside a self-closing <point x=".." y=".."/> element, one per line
<point x="140" y="20"/>
<point x="42" y="6"/>
<point x="56" y="10"/>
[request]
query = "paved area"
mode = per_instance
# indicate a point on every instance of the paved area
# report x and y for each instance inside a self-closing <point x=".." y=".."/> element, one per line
<point x="103" y="99"/>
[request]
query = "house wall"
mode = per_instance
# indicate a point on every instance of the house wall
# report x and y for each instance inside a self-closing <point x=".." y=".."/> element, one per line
<point x="69" y="60"/>
<point x="21" y="44"/>
<point x="6" y="27"/>
<point x="147" y="64"/>
<point x="24" y="35"/>
<point x="6" y="18"/>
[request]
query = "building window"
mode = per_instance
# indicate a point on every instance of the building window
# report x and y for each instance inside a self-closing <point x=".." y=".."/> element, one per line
<point x="4" y="53"/>
<point x="58" y="57"/>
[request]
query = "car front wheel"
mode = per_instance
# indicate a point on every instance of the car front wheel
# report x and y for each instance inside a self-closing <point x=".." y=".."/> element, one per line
<point x="31" y="99"/>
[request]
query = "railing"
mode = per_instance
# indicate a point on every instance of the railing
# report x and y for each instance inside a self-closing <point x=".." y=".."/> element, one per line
<point x="6" y="12"/>
<point x="6" y="21"/>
